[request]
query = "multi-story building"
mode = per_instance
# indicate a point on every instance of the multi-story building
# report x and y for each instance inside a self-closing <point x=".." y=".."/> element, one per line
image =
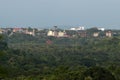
<point x="95" y="34"/>
<point x="56" y="33"/>
<point x="60" y="34"/>
<point x="108" y="34"/>
<point x="17" y="30"/>
<point x="50" y="33"/>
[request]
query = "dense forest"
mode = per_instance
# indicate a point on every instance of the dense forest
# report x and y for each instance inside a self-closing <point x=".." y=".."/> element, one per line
<point x="25" y="57"/>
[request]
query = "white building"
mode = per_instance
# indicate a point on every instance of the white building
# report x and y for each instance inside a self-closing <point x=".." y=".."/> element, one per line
<point x="78" y="28"/>
<point x="60" y="34"/>
<point x="109" y="34"/>
<point x="50" y="33"/>
<point x="56" y="34"/>
<point x="102" y="29"/>
<point x="96" y="34"/>
<point x="72" y="29"/>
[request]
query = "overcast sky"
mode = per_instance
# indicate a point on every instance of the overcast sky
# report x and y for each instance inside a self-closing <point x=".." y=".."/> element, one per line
<point x="46" y="13"/>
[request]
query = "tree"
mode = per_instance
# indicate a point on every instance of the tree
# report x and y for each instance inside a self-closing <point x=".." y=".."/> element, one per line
<point x="3" y="44"/>
<point x="98" y="73"/>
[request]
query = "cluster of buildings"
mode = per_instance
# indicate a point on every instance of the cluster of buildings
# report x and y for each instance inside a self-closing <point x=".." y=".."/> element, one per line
<point x="106" y="34"/>
<point x="11" y="31"/>
<point x="81" y="32"/>
<point x="96" y="32"/>
<point x="72" y="32"/>
<point x="55" y="33"/>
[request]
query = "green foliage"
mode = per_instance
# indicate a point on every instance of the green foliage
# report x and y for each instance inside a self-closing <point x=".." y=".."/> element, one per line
<point x="30" y="58"/>
<point x="98" y="73"/>
<point x="3" y="44"/>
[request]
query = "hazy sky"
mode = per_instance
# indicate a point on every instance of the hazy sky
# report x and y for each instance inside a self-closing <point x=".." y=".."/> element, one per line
<point x="47" y="13"/>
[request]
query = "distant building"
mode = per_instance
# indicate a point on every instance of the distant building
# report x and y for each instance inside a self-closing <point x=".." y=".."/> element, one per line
<point x="108" y="34"/>
<point x="82" y="34"/>
<point x="102" y="29"/>
<point x="30" y="32"/>
<point x="17" y="29"/>
<point x="96" y="34"/>
<point x="50" y="33"/>
<point x="56" y="33"/>
<point x="77" y="28"/>
<point x="80" y="28"/>
<point x="60" y="34"/>
<point x="72" y="28"/>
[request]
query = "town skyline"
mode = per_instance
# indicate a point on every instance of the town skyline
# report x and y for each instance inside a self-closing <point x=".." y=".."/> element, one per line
<point x="60" y="27"/>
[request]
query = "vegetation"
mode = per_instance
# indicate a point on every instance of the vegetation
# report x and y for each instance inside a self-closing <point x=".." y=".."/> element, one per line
<point x="24" y="57"/>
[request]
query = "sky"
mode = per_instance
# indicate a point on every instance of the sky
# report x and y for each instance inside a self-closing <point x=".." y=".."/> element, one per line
<point x="61" y="13"/>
